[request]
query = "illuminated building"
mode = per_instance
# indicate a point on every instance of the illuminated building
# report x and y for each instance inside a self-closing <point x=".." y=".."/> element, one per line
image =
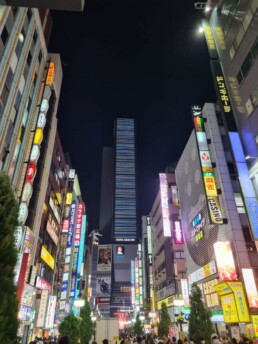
<point x="213" y="216"/>
<point x="29" y="94"/>
<point x="167" y="252"/>
<point x="68" y="5"/>
<point x="118" y="223"/>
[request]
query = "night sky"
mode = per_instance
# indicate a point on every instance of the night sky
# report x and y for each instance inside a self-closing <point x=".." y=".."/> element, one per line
<point x="141" y="59"/>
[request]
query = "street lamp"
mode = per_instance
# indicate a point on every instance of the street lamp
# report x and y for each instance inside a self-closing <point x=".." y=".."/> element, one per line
<point x="248" y="157"/>
<point x="142" y="317"/>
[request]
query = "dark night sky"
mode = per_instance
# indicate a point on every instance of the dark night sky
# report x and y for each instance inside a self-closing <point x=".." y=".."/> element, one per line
<point x="137" y="58"/>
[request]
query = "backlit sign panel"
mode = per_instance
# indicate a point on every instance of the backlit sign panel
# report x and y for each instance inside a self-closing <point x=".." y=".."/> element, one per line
<point x="47" y="257"/>
<point x="250" y="287"/>
<point x="209" y="183"/>
<point x="164" y="204"/>
<point x="50" y="74"/>
<point x="178" y="233"/>
<point x="225" y="261"/>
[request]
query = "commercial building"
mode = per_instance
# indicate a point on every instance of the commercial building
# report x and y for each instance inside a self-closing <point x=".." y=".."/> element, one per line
<point x="218" y="244"/>
<point x="68" y="5"/>
<point x="31" y="154"/>
<point x="169" y="270"/>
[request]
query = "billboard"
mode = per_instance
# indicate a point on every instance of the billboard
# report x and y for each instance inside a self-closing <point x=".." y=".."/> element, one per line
<point x="225" y="261"/>
<point x="104" y="258"/>
<point x="164" y="204"/>
<point x="250" y="287"/>
<point x="47" y="257"/>
<point x="50" y="316"/>
<point x="103" y="287"/>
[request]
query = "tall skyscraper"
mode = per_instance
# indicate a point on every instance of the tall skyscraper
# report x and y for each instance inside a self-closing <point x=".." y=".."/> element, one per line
<point x="125" y="183"/>
<point x="118" y="222"/>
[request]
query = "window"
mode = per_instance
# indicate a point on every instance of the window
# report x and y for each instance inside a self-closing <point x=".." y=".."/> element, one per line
<point x="4" y="35"/>
<point x="240" y="77"/>
<point x="29" y="14"/>
<point x="18" y="100"/>
<point x="247" y="19"/>
<point x="246" y="65"/>
<point x="29" y="58"/>
<point x="239" y="203"/>
<point x="9" y="78"/>
<point x="35" y="36"/>
<point x="254" y="49"/>
<point x="4" y="95"/>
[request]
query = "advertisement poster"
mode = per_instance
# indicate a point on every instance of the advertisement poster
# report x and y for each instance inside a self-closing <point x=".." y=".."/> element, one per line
<point x="241" y="304"/>
<point x="104" y="258"/>
<point x="103" y="286"/>
<point x="229" y="308"/>
<point x="225" y="261"/>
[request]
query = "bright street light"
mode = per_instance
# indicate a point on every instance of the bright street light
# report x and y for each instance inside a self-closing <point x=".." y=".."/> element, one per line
<point x="248" y="157"/>
<point x="141" y="317"/>
<point x="200" y="30"/>
<point x="151" y="314"/>
<point x="93" y="318"/>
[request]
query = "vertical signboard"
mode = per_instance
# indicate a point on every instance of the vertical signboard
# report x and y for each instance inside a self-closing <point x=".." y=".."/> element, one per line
<point x="164" y="204"/>
<point x="42" y="309"/>
<point x="50" y="316"/>
<point x="82" y="245"/>
<point x="69" y="242"/>
<point x="225" y="261"/>
<point x="77" y="237"/>
<point x="132" y="282"/>
<point x="206" y="165"/>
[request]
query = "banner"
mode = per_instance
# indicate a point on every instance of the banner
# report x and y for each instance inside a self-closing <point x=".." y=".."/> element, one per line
<point x="103" y="287"/>
<point x="229" y="308"/>
<point x="104" y="258"/>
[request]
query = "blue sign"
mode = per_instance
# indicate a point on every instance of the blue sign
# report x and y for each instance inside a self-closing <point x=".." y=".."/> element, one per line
<point x="252" y="209"/>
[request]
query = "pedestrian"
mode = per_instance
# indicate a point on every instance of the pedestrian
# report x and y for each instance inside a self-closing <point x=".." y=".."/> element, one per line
<point x="105" y="341"/>
<point x="179" y="341"/>
<point x="234" y="341"/>
<point x="63" y="340"/>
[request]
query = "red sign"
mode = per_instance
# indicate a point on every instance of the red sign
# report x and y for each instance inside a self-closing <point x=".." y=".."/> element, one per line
<point x="65" y="226"/>
<point x="42" y="284"/>
<point x="31" y="171"/>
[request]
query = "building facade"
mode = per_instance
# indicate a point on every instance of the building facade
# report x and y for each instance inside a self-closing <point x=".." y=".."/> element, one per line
<point x="71" y="5"/>
<point x="218" y="245"/>
<point x="168" y="254"/>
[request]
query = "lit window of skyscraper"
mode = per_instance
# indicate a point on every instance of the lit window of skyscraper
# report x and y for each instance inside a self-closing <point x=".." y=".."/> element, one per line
<point x="125" y="184"/>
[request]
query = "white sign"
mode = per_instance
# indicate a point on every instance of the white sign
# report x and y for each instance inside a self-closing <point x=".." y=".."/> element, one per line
<point x="42" y="308"/>
<point x="50" y="317"/>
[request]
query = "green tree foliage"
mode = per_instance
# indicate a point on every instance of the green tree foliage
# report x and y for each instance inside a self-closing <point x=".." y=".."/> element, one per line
<point x="70" y="327"/>
<point x="86" y="325"/>
<point x="8" y="256"/>
<point x="200" y="324"/>
<point x="165" y="321"/>
<point x="137" y="326"/>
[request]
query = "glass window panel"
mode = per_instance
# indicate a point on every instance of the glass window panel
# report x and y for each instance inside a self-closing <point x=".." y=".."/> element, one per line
<point x="247" y="19"/>
<point x="247" y="64"/>
<point x="254" y="49"/>
<point x="9" y="78"/>
<point x="4" y="35"/>
<point x="239" y="36"/>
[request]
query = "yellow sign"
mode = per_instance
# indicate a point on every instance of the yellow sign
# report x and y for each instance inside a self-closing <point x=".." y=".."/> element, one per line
<point x="38" y="137"/>
<point x="46" y="256"/>
<point x="210" y="184"/>
<point x="209" y="37"/>
<point x="223" y="93"/>
<point x="229" y="308"/>
<point x="168" y="301"/>
<point x="255" y="324"/>
<point x="214" y="210"/>
<point x="69" y="198"/>
<point x="222" y="288"/>
<point x="50" y="74"/>
<point x="241" y="304"/>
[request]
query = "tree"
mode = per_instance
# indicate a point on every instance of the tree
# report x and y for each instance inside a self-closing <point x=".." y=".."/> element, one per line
<point x="8" y="256"/>
<point x="165" y="321"/>
<point x="70" y="327"/>
<point x="137" y="325"/>
<point x="86" y="325"/>
<point x="200" y="324"/>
